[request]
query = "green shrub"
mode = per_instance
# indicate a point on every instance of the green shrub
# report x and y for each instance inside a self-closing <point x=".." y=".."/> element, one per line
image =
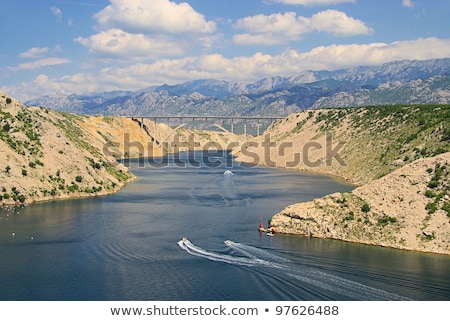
<point x="72" y="188"/>
<point x="433" y="184"/>
<point x="6" y="127"/>
<point x="350" y="216"/>
<point x="446" y="207"/>
<point x="431" y="207"/>
<point x="383" y="221"/>
<point x="365" y="208"/>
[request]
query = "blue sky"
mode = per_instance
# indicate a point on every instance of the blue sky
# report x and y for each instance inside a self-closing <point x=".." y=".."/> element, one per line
<point x="82" y="46"/>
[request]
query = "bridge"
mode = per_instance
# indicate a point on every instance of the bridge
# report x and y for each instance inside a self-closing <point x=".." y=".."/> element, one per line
<point x="219" y="121"/>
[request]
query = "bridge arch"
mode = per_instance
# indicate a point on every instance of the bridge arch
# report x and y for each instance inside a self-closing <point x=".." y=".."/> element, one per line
<point x="232" y="120"/>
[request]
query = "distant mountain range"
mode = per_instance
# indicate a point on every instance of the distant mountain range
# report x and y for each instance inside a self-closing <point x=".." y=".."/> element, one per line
<point x="401" y="82"/>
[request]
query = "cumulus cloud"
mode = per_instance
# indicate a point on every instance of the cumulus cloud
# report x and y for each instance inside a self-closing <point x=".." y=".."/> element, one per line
<point x="310" y="3"/>
<point x="338" y="23"/>
<point x="140" y="30"/>
<point x="281" y="28"/>
<point x="153" y="16"/>
<point x="243" y="68"/>
<point x="116" y="43"/>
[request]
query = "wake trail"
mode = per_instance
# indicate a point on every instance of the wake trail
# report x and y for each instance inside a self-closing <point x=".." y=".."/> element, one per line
<point x="251" y="256"/>
<point x="255" y="252"/>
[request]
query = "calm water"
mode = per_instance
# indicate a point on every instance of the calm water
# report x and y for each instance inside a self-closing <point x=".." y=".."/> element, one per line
<point x="128" y="246"/>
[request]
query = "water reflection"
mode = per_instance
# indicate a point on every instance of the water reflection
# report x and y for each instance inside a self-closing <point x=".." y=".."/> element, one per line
<point x="124" y="246"/>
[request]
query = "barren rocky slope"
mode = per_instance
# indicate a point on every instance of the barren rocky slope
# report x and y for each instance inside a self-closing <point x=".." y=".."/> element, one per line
<point x="49" y="155"/>
<point x="398" y="156"/>
<point x="401" y="210"/>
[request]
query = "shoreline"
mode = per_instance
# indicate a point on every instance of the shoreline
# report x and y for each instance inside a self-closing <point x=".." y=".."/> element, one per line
<point x="61" y="198"/>
<point x="405" y="224"/>
<point x="293" y="231"/>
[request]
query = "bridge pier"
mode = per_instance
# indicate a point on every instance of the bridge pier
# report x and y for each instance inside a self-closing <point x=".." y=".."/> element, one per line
<point x="245" y="128"/>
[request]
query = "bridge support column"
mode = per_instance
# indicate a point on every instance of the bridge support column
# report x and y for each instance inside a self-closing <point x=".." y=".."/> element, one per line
<point x="245" y="129"/>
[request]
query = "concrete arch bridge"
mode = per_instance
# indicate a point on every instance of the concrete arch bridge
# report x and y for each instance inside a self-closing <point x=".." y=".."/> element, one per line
<point x="252" y="125"/>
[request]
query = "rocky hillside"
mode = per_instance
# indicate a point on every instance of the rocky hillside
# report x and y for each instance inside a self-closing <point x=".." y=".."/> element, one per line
<point x="49" y="155"/>
<point x="356" y="144"/>
<point x="397" y="155"/>
<point x="407" y="209"/>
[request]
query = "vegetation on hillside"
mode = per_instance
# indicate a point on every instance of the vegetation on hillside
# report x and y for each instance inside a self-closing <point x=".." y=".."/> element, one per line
<point x="398" y="155"/>
<point x="48" y="155"/>
<point x="377" y="139"/>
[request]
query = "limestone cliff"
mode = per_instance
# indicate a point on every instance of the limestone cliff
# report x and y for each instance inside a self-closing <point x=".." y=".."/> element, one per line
<point x="407" y="209"/>
<point x="397" y="155"/>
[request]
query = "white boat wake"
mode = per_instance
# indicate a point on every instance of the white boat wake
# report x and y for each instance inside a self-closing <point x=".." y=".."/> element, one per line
<point x="251" y="256"/>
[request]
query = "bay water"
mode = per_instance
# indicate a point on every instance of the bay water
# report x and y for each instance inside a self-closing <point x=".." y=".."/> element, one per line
<point x="190" y="232"/>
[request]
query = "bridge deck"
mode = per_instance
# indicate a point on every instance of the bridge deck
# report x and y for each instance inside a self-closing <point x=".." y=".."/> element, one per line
<point x="206" y="117"/>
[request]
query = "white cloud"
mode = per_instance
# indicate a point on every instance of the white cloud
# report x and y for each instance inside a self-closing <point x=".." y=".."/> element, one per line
<point x="116" y="43"/>
<point x="243" y="68"/>
<point x="39" y="52"/>
<point x="57" y="12"/>
<point x="281" y="28"/>
<point x="407" y="3"/>
<point x="45" y="62"/>
<point x="140" y="30"/>
<point x="310" y="3"/>
<point x="338" y="23"/>
<point x="146" y="16"/>
<point x="34" y="52"/>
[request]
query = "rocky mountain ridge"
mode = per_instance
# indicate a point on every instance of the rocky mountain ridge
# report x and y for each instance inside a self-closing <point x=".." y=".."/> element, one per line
<point x="272" y="96"/>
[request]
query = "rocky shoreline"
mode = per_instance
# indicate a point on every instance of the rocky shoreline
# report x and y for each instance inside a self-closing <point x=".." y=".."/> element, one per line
<point x="402" y="204"/>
